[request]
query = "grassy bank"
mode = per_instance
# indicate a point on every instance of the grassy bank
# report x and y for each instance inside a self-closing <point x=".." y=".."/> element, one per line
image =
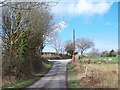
<point x="72" y="77"/>
<point x="30" y="79"/>
<point x="96" y="76"/>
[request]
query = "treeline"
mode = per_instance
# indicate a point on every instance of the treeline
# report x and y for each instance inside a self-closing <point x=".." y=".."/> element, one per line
<point x="83" y="44"/>
<point x="111" y="53"/>
<point x="25" y="28"/>
<point x="95" y="52"/>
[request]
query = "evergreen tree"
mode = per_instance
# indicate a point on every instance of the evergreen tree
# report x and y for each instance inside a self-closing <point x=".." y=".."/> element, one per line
<point x="112" y="53"/>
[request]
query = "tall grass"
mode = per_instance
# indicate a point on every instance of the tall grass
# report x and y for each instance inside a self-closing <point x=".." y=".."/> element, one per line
<point x="97" y="76"/>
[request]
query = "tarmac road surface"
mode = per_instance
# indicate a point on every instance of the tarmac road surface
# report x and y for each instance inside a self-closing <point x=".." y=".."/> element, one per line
<point x="55" y="78"/>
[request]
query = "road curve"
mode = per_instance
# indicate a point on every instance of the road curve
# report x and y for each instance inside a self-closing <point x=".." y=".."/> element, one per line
<point x="55" y="78"/>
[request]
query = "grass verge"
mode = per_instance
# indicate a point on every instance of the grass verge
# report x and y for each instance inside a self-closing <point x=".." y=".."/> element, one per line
<point x="29" y="80"/>
<point x="72" y="77"/>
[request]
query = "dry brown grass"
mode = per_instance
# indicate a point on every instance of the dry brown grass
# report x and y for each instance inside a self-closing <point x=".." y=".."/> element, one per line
<point x="99" y="75"/>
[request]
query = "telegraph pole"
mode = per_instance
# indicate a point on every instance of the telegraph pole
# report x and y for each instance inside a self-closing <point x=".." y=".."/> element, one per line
<point x="74" y="46"/>
<point x="74" y="38"/>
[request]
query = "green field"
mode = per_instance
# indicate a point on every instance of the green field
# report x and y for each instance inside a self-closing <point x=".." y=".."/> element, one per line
<point x="97" y="58"/>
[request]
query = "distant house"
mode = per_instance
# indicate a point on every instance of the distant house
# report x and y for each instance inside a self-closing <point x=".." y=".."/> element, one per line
<point x="49" y="53"/>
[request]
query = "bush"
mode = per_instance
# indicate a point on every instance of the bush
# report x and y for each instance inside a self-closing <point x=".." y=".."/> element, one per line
<point x="65" y="56"/>
<point x="60" y="56"/>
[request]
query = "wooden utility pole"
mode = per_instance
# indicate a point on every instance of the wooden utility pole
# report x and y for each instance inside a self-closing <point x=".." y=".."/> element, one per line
<point x="74" y="38"/>
<point x="73" y="46"/>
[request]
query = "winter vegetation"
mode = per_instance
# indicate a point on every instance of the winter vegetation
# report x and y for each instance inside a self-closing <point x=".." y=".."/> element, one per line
<point x="26" y="28"/>
<point x="94" y="69"/>
<point x="93" y="76"/>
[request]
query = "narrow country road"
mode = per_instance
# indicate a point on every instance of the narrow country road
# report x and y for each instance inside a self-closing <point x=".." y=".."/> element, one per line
<point x="55" y="78"/>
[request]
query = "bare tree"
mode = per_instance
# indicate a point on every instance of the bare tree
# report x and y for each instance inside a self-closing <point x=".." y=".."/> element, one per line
<point x="105" y="53"/>
<point x="84" y="44"/>
<point x="22" y="35"/>
<point x="94" y="52"/>
<point x="33" y="5"/>
<point x="56" y="44"/>
<point x="69" y="47"/>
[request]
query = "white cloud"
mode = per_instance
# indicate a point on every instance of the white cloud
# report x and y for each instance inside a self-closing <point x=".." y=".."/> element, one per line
<point x="83" y="7"/>
<point x="60" y="26"/>
<point x="89" y="8"/>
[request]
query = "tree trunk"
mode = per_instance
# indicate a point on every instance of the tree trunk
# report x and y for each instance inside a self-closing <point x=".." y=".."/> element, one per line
<point x="81" y="53"/>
